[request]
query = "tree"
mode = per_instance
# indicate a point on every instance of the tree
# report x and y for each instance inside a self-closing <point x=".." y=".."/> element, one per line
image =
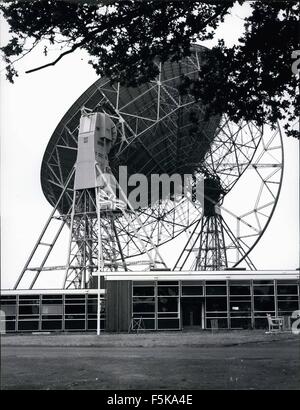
<point x="252" y="80"/>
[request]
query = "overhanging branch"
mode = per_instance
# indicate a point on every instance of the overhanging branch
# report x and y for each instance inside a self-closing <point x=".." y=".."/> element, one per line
<point x="71" y="50"/>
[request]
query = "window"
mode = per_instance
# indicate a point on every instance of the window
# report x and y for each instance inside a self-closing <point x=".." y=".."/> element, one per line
<point x="143" y="291"/>
<point x="52" y="309"/>
<point x="144" y="307"/>
<point x="221" y="323"/>
<point x="10" y="310"/>
<point x="239" y="288"/>
<point x="167" y="290"/>
<point x="28" y="325"/>
<point x="192" y="290"/>
<point x="216" y="304"/>
<point x="75" y="324"/>
<point x="264" y="303"/>
<point x="240" y="304"/>
<point x="75" y="309"/>
<point x="261" y="287"/>
<point x="287" y="304"/>
<point x="167" y="304"/>
<point x="168" y="324"/>
<point x="29" y="310"/>
<point x="167" y="283"/>
<point x="215" y="290"/>
<point x="287" y="289"/>
<point x="72" y="299"/>
<point x="52" y="325"/>
<point x="52" y="299"/>
<point x="29" y="300"/>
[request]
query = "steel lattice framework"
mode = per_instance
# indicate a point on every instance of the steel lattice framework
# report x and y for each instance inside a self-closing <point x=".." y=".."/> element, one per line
<point x="159" y="130"/>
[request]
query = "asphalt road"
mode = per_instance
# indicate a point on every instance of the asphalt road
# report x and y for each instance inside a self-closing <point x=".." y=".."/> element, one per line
<point x="274" y="365"/>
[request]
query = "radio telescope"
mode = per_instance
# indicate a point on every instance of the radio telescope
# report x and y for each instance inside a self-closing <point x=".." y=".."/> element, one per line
<point x="157" y="130"/>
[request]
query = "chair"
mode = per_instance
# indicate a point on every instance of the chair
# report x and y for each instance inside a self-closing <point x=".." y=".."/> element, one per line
<point x="275" y="323"/>
<point x="136" y="325"/>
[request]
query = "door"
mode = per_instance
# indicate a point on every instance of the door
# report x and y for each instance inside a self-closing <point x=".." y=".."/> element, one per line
<point x="191" y="309"/>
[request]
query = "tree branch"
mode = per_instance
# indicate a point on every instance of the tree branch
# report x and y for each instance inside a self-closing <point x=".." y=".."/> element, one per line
<point x="220" y="11"/>
<point x="72" y="49"/>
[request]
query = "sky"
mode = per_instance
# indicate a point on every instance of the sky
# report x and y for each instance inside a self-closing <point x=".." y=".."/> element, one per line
<point x="30" y="110"/>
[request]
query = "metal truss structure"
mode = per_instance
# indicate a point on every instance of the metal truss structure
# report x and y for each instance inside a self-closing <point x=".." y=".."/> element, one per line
<point x="159" y="130"/>
<point x="96" y="244"/>
<point x="247" y="162"/>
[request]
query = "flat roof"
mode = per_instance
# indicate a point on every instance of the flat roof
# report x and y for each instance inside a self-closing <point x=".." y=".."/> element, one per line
<point x="165" y="276"/>
<point x="205" y="275"/>
<point x="6" y="292"/>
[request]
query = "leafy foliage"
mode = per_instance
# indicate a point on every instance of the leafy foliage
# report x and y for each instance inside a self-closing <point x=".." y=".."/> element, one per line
<point x="252" y="80"/>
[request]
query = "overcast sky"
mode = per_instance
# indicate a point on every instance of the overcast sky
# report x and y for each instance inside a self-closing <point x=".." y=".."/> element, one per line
<point x="30" y="111"/>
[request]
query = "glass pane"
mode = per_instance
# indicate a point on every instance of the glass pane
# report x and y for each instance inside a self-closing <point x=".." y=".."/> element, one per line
<point x="216" y="304"/>
<point x="192" y="290"/>
<point x="216" y="290"/>
<point x="143" y="291"/>
<point x="49" y="297"/>
<point x="263" y="282"/>
<point x="52" y="299"/>
<point x="143" y="315"/>
<point x="167" y="290"/>
<point x="52" y="309"/>
<point x="167" y="304"/>
<point x="287" y="305"/>
<point x="217" y="323"/>
<point x="8" y="299"/>
<point x="75" y="309"/>
<point x="10" y="310"/>
<point x="168" y="324"/>
<point x="26" y="297"/>
<point x="240" y="306"/>
<point x="240" y="313"/>
<point x="143" y="299"/>
<point x="215" y="282"/>
<point x="28" y="325"/>
<point x="165" y="315"/>
<point x="51" y="325"/>
<point x="287" y="290"/>
<point x="211" y="315"/>
<point x="167" y="283"/>
<point x="240" y="290"/>
<point x="264" y="290"/>
<point x="192" y="283"/>
<point x="29" y="302"/>
<point x="143" y="307"/>
<point x="144" y="283"/>
<point x="29" y="310"/>
<point x="92" y="306"/>
<point x="75" y="324"/>
<point x="264" y="303"/>
<point x="92" y="324"/>
<point x="10" y="326"/>
<point x="149" y="323"/>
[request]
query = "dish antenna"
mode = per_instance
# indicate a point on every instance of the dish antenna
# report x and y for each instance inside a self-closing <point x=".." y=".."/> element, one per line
<point x="154" y="129"/>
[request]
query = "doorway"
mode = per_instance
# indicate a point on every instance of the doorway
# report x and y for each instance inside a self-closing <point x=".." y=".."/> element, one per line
<point x="192" y="312"/>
